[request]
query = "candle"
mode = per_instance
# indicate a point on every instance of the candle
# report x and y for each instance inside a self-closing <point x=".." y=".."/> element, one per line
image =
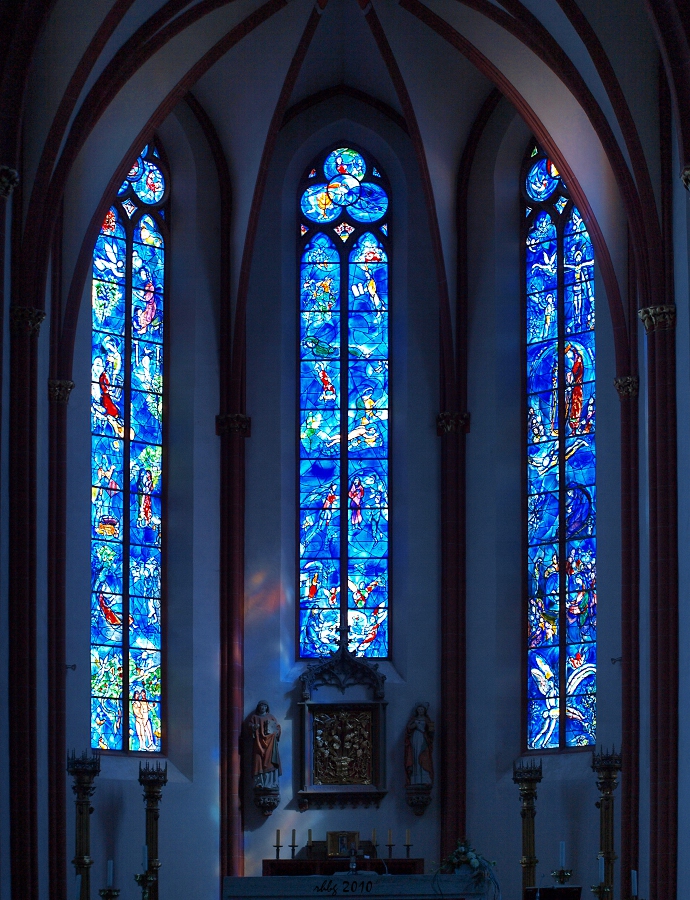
<point x="277" y="837"/>
<point x="293" y="838"/>
<point x="145" y="857"/>
<point x="633" y="882"/>
<point x="77" y="887"/>
<point x="601" y="870"/>
<point x="309" y="838"/>
<point x="109" y="880"/>
<point x="390" y="836"/>
<point x="407" y="838"/>
<point x="562" y="856"/>
<point x="373" y="836"/>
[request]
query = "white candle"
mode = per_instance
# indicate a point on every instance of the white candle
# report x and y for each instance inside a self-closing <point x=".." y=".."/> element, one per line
<point x="277" y="837"/>
<point x="145" y="857"/>
<point x="390" y="836"/>
<point x="309" y="838"/>
<point x="77" y="887"/>
<point x="562" y="856"/>
<point x="373" y="836"/>
<point x="407" y="838"/>
<point x="293" y="837"/>
<point x="601" y="870"/>
<point x="109" y="879"/>
<point x="633" y="882"/>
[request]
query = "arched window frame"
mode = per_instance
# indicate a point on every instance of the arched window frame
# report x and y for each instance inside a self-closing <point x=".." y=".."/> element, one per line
<point x="141" y="211"/>
<point x="343" y="620"/>
<point x="560" y="592"/>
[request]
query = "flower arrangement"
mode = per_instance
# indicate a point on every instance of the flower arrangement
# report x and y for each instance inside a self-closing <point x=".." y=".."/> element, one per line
<point x="465" y="860"/>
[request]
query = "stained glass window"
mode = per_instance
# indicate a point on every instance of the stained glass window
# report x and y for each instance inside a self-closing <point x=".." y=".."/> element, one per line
<point x="127" y="360"/>
<point x="561" y="463"/>
<point x="343" y="403"/>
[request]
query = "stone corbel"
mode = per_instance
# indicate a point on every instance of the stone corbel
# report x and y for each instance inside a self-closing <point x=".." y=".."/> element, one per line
<point x="658" y="318"/>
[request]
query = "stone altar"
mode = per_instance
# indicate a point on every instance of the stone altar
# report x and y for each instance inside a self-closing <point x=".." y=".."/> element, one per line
<point x="361" y="884"/>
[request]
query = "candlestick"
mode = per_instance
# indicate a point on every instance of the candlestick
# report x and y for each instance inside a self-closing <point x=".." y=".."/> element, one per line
<point x="277" y="844"/>
<point x="109" y="879"/>
<point x="562" y="856"/>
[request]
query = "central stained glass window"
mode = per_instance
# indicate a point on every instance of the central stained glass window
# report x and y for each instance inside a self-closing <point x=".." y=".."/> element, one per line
<point x="561" y="464"/>
<point x="344" y="408"/>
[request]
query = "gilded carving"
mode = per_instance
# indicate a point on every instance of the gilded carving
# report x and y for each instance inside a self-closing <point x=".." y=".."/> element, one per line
<point x="59" y="389"/>
<point x="452" y="423"/>
<point x="343" y="748"/>
<point x="234" y="423"/>
<point x="25" y="320"/>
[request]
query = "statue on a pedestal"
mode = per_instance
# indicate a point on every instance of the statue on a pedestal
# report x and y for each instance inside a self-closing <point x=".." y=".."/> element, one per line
<point x="266" y="768"/>
<point x="419" y="763"/>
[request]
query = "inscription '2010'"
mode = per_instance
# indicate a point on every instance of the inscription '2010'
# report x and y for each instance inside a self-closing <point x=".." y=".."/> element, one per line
<point x="328" y="886"/>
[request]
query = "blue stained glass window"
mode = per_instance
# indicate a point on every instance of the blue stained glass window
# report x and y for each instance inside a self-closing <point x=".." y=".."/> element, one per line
<point x="561" y="464"/>
<point x="127" y="365"/>
<point x="343" y="409"/>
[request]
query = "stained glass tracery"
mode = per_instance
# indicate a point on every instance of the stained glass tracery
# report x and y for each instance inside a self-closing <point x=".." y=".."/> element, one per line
<point x="561" y="464"/>
<point x="343" y="353"/>
<point x="127" y="365"/>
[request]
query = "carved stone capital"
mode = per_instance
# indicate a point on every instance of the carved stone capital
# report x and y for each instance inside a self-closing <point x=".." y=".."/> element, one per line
<point x="59" y="389"/>
<point x="658" y="318"/>
<point x="9" y="179"/>
<point x="685" y="177"/>
<point x="627" y="386"/>
<point x="25" y="319"/>
<point x="452" y="423"/>
<point x="234" y="423"/>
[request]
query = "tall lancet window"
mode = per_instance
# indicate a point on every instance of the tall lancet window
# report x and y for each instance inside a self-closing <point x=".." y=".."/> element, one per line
<point x="560" y="462"/>
<point x="343" y="403"/>
<point x="127" y="465"/>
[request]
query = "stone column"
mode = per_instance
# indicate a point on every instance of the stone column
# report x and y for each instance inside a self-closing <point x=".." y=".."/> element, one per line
<point x="527" y="776"/>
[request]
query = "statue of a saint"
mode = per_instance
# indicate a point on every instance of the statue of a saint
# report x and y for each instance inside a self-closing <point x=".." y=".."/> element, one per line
<point x="419" y="744"/>
<point x="265" y="732"/>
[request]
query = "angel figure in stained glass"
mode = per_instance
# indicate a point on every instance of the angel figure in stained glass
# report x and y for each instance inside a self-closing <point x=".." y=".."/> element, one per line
<point x="548" y="688"/>
<point x="111" y="262"/>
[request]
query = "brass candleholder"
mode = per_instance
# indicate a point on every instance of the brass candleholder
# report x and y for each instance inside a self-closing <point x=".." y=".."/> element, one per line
<point x="606" y="766"/>
<point x="153" y="779"/>
<point x="562" y="876"/>
<point x="527" y="776"/>
<point x="84" y="770"/>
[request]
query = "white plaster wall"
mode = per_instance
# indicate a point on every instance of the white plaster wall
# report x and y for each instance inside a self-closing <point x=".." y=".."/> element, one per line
<point x="566" y="797"/>
<point x="270" y="668"/>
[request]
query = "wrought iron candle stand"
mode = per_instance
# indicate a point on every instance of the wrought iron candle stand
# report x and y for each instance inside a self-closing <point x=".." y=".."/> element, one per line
<point x="83" y="770"/>
<point x="606" y="766"/>
<point x="153" y="779"/>
<point x="527" y="776"/>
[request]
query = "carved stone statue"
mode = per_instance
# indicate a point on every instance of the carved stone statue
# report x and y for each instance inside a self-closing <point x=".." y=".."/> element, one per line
<point x="419" y="763"/>
<point x="266" y="768"/>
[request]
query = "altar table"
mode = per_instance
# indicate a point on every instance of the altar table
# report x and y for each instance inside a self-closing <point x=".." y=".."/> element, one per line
<point x="343" y="884"/>
<point x="331" y="865"/>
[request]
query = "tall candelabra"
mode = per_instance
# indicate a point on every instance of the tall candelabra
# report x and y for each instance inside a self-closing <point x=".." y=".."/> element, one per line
<point x="83" y="770"/>
<point x="606" y="766"/>
<point x="153" y="779"/>
<point x="527" y="776"/>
